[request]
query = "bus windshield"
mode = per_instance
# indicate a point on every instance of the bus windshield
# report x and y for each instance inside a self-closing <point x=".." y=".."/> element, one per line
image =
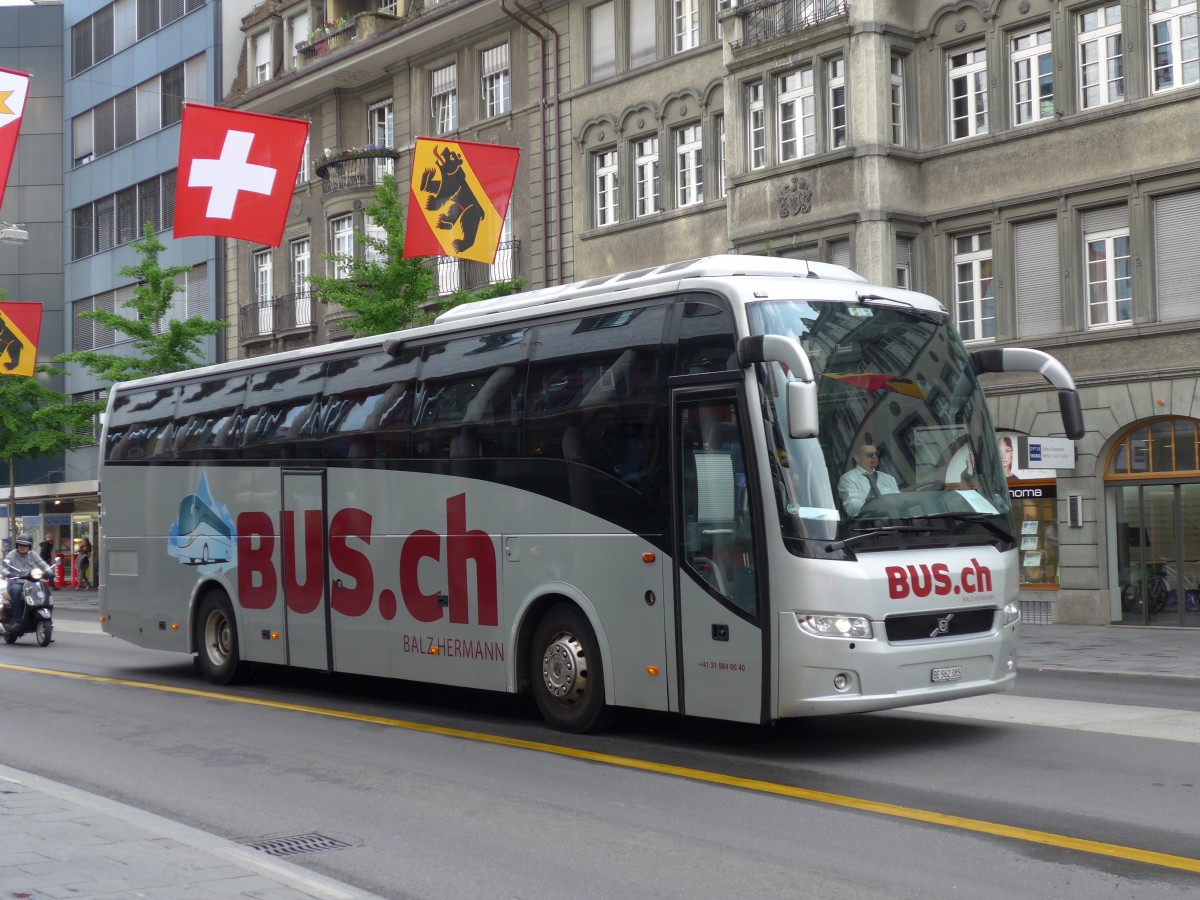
<point x="906" y="451"/>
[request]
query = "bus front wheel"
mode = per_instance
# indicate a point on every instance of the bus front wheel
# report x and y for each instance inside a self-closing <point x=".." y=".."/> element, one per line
<point x="219" y="656"/>
<point x="566" y="673"/>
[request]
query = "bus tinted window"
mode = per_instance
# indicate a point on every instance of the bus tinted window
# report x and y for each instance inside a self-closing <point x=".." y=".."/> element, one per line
<point x="468" y="402"/>
<point x="366" y="408"/>
<point x="594" y="393"/>
<point x="213" y="418"/>
<point x="282" y="411"/>
<point x="142" y="425"/>
<point x="706" y="338"/>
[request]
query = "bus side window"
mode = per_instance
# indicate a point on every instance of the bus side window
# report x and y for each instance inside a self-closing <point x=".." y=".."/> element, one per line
<point x="473" y="414"/>
<point x="148" y="419"/>
<point x="706" y="337"/>
<point x="283" y="404"/>
<point x="718" y="538"/>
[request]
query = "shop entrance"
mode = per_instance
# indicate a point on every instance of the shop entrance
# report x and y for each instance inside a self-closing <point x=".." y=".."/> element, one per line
<point x="1155" y="563"/>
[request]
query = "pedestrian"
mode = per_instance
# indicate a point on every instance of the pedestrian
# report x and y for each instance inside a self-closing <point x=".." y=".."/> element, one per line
<point x="46" y="549"/>
<point x="83" y="561"/>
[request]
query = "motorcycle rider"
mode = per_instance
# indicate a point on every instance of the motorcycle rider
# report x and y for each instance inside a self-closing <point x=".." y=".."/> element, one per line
<point x="21" y="561"/>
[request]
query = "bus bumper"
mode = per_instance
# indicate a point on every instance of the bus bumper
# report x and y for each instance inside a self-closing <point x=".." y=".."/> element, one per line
<point x="829" y="676"/>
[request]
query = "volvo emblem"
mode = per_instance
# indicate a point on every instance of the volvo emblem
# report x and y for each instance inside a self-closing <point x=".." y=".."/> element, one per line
<point x="943" y="625"/>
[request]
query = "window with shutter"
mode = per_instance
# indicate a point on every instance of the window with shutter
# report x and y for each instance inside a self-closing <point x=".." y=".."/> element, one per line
<point x="124" y="24"/>
<point x="1037" y="263"/>
<point x="125" y="112"/>
<point x="1177" y="255"/>
<point x="602" y="41"/>
<point x="104" y="128"/>
<point x="83" y="139"/>
<point x="81" y="46"/>
<point x="147" y="108"/>
<point x="172" y="95"/>
<point x="102" y="34"/>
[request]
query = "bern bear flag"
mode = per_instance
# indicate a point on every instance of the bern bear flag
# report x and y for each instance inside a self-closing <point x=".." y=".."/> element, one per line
<point x="458" y="198"/>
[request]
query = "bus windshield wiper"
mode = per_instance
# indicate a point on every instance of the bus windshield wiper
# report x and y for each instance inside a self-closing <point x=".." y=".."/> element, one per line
<point x="974" y="518"/>
<point x="927" y="315"/>
<point x="863" y="533"/>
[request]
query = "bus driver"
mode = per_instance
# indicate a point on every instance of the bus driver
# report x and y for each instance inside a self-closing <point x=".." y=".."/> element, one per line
<point x="864" y="482"/>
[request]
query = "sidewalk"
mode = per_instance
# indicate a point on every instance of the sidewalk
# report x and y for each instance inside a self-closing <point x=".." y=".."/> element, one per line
<point x="63" y="842"/>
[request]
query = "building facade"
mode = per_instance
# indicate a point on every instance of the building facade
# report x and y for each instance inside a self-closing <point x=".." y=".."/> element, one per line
<point x="128" y="68"/>
<point x="31" y="270"/>
<point x="1030" y="162"/>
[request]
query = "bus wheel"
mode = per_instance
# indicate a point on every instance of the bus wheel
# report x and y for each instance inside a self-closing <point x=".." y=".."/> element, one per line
<point x="219" y="657"/>
<point x="568" y="682"/>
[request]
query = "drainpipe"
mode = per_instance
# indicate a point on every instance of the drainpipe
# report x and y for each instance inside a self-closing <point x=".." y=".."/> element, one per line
<point x="553" y="69"/>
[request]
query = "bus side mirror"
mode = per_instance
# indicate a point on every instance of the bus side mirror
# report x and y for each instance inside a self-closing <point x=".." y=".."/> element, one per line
<point x="802" y="409"/>
<point x="1072" y="414"/>
<point x="801" y="390"/>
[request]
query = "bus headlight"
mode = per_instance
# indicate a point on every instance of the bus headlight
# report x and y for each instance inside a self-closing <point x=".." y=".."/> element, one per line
<point x="1012" y="612"/>
<point x="845" y="626"/>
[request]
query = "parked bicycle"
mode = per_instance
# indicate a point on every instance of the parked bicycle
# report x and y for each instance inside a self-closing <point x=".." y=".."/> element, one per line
<point x="1133" y="600"/>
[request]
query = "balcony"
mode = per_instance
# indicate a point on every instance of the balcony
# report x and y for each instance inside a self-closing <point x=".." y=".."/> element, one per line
<point x="768" y="19"/>
<point x="356" y="170"/>
<point x="452" y="274"/>
<point x="265" y="320"/>
<point x="332" y="39"/>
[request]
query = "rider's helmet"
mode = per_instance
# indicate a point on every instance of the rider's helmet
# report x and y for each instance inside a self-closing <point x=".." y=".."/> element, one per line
<point x="24" y="540"/>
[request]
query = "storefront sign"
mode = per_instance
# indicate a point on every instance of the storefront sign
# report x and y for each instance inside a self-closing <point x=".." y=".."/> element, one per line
<point x="1043" y="492"/>
<point x="1046" y="452"/>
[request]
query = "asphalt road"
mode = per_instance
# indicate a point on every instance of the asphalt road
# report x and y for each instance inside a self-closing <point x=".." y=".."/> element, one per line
<point x="924" y="803"/>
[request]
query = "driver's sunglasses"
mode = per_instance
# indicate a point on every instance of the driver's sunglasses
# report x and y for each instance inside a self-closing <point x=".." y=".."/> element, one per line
<point x="871" y="455"/>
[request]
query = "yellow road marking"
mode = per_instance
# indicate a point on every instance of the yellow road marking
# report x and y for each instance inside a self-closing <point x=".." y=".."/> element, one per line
<point x="1028" y="835"/>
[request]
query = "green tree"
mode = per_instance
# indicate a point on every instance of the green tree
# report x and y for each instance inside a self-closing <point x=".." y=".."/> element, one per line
<point x="174" y="349"/>
<point x="38" y="421"/>
<point x="388" y="292"/>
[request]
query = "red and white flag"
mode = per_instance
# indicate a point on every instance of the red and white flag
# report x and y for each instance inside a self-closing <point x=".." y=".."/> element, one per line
<point x="237" y="171"/>
<point x="14" y="88"/>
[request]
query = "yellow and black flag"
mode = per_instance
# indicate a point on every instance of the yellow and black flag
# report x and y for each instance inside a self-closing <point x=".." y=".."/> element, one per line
<point x="20" y="329"/>
<point x="458" y="197"/>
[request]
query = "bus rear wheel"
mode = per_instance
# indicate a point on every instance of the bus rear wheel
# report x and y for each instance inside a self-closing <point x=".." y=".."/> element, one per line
<point x="219" y="654"/>
<point x="566" y="673"/>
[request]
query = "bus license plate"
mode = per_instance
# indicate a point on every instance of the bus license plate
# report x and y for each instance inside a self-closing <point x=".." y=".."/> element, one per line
<point x="948" y="673"/>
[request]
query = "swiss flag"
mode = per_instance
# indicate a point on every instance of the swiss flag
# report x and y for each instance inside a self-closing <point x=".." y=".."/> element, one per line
<point x="14" y="88"/>
<point x="237" y="171"/>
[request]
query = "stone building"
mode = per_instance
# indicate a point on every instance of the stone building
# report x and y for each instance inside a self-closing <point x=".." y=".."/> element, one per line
<point x="1030" y="162"/>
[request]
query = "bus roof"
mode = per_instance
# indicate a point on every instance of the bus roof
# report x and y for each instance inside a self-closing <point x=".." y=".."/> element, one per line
<point x="706" y="267"/>
<point x="832" y="282"/>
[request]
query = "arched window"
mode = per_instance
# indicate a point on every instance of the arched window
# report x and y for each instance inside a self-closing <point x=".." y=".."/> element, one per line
<point x="1168" y="446"/>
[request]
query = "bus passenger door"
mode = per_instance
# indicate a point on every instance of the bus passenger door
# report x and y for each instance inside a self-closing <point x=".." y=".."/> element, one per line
<point x="721" y="644"/>
<point x="303" y="554"/>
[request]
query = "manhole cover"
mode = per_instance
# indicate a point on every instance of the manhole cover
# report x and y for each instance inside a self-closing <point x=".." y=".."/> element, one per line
<point x="297" y="843"/>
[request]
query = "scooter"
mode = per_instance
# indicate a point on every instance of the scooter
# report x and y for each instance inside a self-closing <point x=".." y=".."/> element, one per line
<point x="39" y="605"/>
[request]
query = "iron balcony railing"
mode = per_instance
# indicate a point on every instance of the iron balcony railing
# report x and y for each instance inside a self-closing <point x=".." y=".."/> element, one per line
<point x="356" y="169"/>
<point x="768" y="19"/>
<point x="451" y="274"/>
<point x="265" y="318"/>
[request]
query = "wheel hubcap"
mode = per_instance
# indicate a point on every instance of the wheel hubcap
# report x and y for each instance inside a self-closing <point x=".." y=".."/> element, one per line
<point x="217" y="638"/>
<point x="564" y="668"/>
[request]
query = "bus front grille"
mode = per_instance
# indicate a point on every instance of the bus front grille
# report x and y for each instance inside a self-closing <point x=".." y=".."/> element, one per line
<point x="926" y="626"/>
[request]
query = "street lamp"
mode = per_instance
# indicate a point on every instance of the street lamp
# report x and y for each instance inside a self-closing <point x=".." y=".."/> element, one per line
<point x="13" y="234"/>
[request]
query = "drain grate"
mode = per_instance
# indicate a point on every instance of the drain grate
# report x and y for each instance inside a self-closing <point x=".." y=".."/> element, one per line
<point x="297" y="843"/>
